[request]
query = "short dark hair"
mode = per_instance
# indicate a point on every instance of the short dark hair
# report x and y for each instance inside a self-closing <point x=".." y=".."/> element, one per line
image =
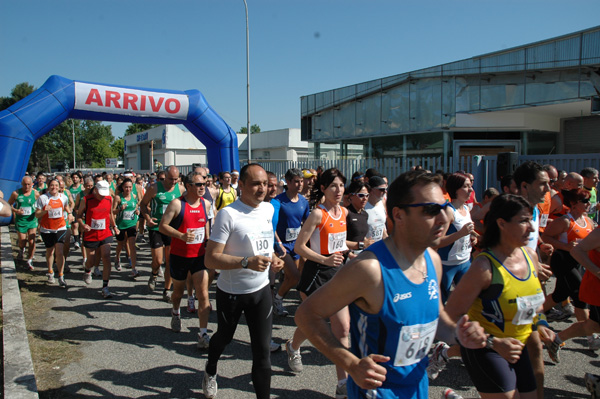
<point x="505" y="206"/>
<point x="190" y="177"/>
<point x="505" y="181"/>
<point x="291" y="173"/>
<point x="399" y="192"/>
<point x="490" y="192"/>
<point x="357" y="185"/>
<point x="588" y="172"/>
<point x="527" y="172"/>
<point x="325" y="180"/>
<point x="371" y="172"/>
<point x="161" y="173"/>
<point x="454" y="182"/>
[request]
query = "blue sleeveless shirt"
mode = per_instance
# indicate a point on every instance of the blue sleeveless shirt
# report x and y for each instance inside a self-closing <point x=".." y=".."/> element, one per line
<point x="404" y="330"/>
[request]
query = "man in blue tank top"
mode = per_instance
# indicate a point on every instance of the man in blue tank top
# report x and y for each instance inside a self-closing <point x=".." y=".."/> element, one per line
<point x="392" y="289"/>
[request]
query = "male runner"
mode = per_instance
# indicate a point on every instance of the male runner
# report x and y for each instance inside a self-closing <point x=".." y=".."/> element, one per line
<point x="159" y="195"/>
<point x="241" y="246"/>
<point x="375" y="208"/>
<point x="22" y="202"/>
<point x="392" y="289"/>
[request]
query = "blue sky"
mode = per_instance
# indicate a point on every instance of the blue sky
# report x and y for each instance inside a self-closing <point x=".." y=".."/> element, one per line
<point x="297" y="47"/>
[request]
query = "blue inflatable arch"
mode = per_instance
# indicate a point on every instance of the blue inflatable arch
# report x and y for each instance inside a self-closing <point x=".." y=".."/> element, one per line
<point x="59" y="99"/>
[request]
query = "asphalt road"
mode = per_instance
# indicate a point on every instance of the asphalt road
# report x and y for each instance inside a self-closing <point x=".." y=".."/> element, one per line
<point x="129" y="350"/>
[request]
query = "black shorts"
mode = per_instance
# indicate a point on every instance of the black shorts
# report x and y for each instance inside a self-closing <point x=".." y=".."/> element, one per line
<point x="51" y="239"/>
<point x="313" y="276"/>
<point x="595" y="313"/>
<point x="491" y="373"/>
<point x="180" y="266"/>
<point x="130" y="233"/>
<point x="97" y="244"/>
<point x="158" y="239"/>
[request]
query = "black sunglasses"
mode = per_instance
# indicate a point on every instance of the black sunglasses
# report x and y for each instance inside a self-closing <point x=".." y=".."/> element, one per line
<point x="585" y="201"/>
<point x="429" y="208"/>
<point x="198" y="184"/>
<point x="162" y="179"/>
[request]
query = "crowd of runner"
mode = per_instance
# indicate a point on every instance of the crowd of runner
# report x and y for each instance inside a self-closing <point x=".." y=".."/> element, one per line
<point x="394" y="280"/>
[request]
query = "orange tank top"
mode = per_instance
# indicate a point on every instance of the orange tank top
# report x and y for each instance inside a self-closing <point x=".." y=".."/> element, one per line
<point x="330" y="235"/>
<point x="545" y="211"/>
<point x="54" y="219"/>
<point x="589" y="289"/>
<point x="575" y="231"/>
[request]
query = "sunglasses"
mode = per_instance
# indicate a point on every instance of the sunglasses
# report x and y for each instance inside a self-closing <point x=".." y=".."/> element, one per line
<point x="383" y="190"/>
<point x="585" y="201"/>
<point x="429" y="208"/>
<point x="198" y="184"/>
<point x="361" y="195"/>
<point x="162" y="179"/>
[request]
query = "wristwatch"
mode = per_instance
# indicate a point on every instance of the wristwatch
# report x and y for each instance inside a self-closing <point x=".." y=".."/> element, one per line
<point x="245" y="262"/>
<point x="361" y="245"/>
<point x="489" y="342"/>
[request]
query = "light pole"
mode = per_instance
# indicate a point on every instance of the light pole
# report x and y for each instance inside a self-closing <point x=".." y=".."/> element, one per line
<point x="248" y="87"/>
<point x="73" y="124"/>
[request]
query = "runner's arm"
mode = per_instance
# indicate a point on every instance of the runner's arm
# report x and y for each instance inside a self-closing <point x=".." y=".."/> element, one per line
<point x="171" y="212"/>
<point x="580" y="252"/>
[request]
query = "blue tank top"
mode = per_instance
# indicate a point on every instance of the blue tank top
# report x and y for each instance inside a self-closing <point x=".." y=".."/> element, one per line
<point x="403" y="329"/>
<point x="291" y="216"/>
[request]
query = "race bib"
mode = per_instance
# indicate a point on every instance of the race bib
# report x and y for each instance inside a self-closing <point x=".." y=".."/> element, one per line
<point x="414" y="343"/>
<point x="262" y="243"/>
<point x="98" y="224"/>
<point x="526" y="308"/>
<point x="376" y="231"/>
<point x="26" y="210"/>
<point x="292" y="233"/>
<point x="210" y="212"/>
<point x="55" y="213"/>
<point x="198" y="235"/>
<point x="544" y="220"/>
<point x="128" y="215"/>
<point x="336" y="242"/>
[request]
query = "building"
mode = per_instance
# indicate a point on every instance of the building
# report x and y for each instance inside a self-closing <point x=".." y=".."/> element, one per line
<point x="539" y="98"/>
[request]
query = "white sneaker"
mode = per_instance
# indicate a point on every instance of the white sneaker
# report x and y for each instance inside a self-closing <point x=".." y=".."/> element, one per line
<point x="87" y="277"/>
<point x="294" y="358"/>
<point x="97" y="271"/>
<point x="161" y="272"/>
<point x="50" y="278"/>
<point x="191" y="306"/>
<point x="437" y="360"/>
<point x="209" y="385"/>
<point x="203" y="341"/>
<point x="118" y="266"/>
<point x="30" y="264"/>
<point x="593" y="342"/>
<point x="61" y="282"/>
<point x="106" y="293"/>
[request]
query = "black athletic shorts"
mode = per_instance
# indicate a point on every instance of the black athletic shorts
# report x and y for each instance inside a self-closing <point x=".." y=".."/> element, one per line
<point x="491" y="373"/>
<point x="180" y="266"/>
<point x="595" y="313"/>
<point x="97" y="244"/>
<point x="157" y="239"/>
<point x="313" y="276"/>
<point x="51" y="239"/>
<point x="130" y="233"/>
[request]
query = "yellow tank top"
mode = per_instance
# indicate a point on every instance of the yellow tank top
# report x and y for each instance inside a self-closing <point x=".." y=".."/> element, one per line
<point x="507" y="307"/>
<point x="224" y="198"/>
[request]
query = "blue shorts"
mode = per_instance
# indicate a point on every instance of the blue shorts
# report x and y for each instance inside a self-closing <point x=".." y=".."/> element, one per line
<point x="289" y="247"/>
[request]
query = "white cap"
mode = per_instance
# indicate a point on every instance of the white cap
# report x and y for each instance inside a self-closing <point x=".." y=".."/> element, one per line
<point x="103" y="188"/>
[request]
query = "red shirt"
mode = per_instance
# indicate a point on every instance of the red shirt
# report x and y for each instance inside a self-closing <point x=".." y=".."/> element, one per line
<point x="192" y="219"/>
<point x="589" y="289"/>
<point x="97" y="216"/>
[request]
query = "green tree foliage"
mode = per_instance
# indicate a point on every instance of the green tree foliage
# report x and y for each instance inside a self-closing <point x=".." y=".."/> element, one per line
<point x="254" y="129"/>
<point x="94" y="142"/>
<point x="138" y="127"/>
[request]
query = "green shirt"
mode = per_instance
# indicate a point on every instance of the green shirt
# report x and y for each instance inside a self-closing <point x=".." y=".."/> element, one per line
<point x="161" y="200"/>
<point x="27" y="203"/>
<point x="127" y="218"/>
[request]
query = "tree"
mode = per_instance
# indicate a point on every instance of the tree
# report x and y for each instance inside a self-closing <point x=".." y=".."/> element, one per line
<point x="118" y="147"/>
<point x="138" y="127"/>
<point x="253" y="129"/>
<point x="18" y="93"/>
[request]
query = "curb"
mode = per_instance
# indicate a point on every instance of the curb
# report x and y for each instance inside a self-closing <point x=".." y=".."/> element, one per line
<point x="19" y="377"/>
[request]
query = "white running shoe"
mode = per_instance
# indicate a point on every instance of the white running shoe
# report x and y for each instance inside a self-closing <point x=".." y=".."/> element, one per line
<point x="203" y="341"/>
<point x="106" y="293"/>
<point x="209" y="385"/>
<point x="50" y="278"/>
<point x="437" y="360"/>
<point x="294" y="358"/>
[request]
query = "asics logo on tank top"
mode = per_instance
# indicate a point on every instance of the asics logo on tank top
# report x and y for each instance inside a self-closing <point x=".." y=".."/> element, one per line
<point x="401" y="297"/>
<point x="432" y="290"/>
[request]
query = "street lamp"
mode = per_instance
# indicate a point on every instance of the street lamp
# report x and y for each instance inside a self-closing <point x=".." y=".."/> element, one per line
<point x="73" y="124"/>
<point x="248" y="87"/>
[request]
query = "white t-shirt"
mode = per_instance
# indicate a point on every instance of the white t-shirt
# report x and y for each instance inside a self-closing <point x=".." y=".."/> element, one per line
<point x="245" y="231"/>
<point x="41" y="203"/>
<point x="376" y="220"/>
<point x="1" y="206"/>
<point x="534" y="236"/>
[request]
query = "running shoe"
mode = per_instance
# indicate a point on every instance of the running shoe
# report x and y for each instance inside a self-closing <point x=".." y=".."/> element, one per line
<point x="87" y="277"/>
<point x="152" y="282"/>
<point x="209" y="385"/>
<point x="556" y="315"/>
<point x="294" y="358"/>
<point x="274" y="347"/>
<point x="203" y="341"/>
<point x="175" y="322"/>
<point x="106" y="293"/>
<point x="341" y="391"/>
<point x="97" y="271"/>
<point x="67" y="269"/>
<point x="30" y="264"/>
<point x="191" y="307"/>
<point x="61" y="282"/>
<point x="167" y="296"/>
<point x="161" y="272"/>
<point x="593" y="342"/>
<point x="437" y="360"/>
<point x="569" y="309"/>
<point x="278" y="308"/>
<point x="21" y="254"/>
<point x="118" y="265"/>
<point x="76" y="245"/>
<point x="592" y="383"/>
<point x="50" y="278"/>
<point x="134" y="273"/>
<point x="450" y="394"/>
<point x="554" y="351"/>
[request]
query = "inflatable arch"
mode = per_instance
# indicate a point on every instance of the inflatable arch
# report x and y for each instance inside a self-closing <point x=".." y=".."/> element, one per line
<point x="60" y="98"/>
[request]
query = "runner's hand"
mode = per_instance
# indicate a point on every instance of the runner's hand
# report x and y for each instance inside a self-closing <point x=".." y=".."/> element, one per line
<point x="509" y="348"/>
<point x="470" y="334"/>
<point x="367" y="373"/>
<point x="545" y="272"/>
<point x="151" y="222"/>
<point x="259" y="263"/>
<point x="334" y="260"/>
<point x="277" y="263"/>
<point x="188" y="236"/>
<point x="467" y="229"/>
